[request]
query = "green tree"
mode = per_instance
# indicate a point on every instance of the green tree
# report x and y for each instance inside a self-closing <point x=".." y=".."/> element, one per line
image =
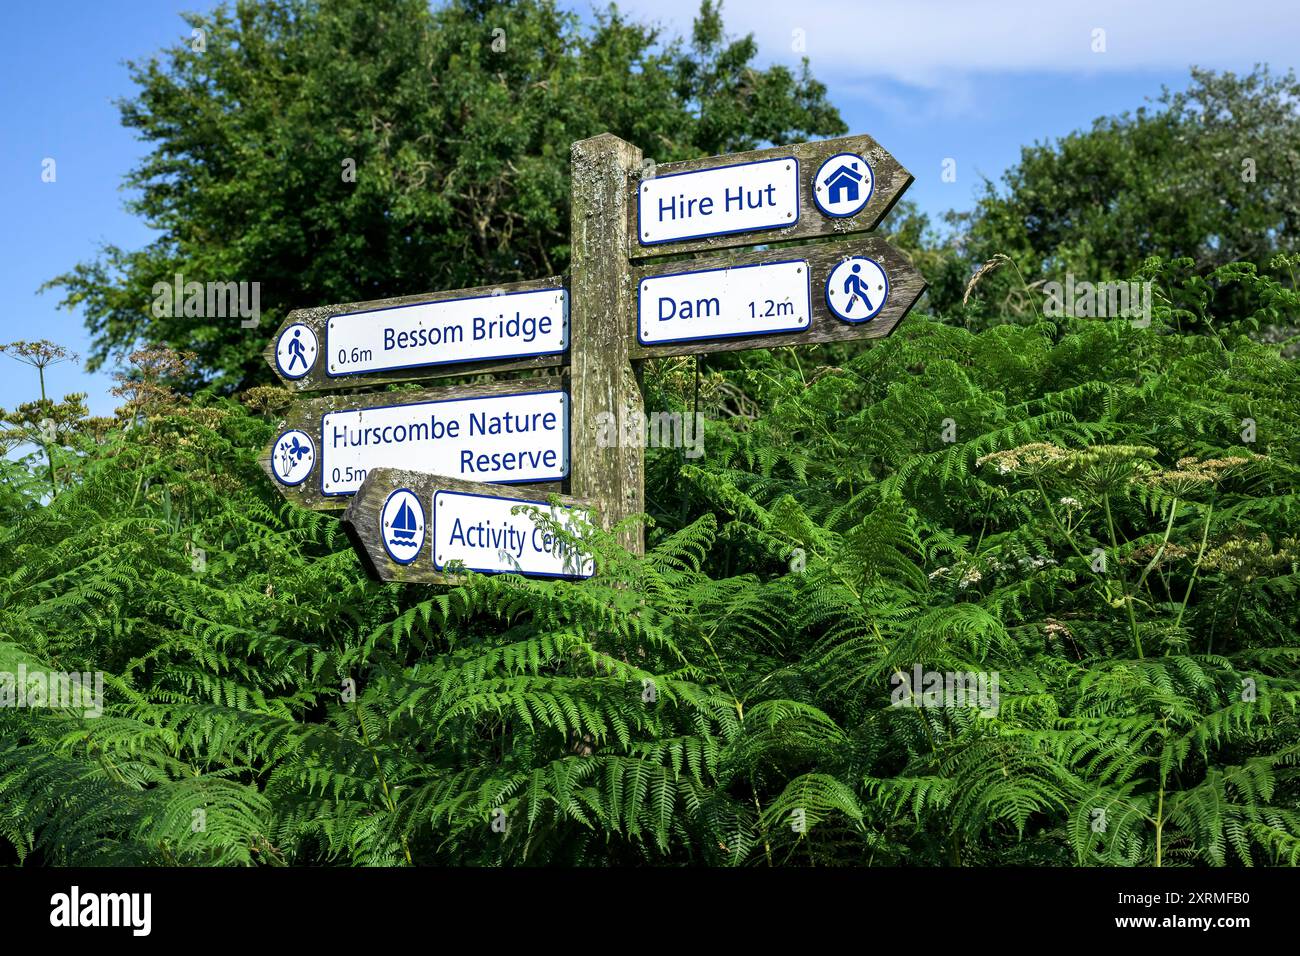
<point x="1209" y="175"/>
<point x="456" y="122"/>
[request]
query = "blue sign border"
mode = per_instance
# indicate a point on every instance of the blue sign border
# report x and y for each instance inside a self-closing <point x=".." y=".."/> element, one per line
<point x="384" y="541"/>
<point x="726" y="232"/>
<point x="303" y="374"/>
<point x="448" y="401"/>
<point x="832" y="309"/>
<point x="725" y="335"/>
<point x="315" y="453"/>
<point x="564" y="319"/>
<point x="870" y="192"/>
<point x="433" y="537"/>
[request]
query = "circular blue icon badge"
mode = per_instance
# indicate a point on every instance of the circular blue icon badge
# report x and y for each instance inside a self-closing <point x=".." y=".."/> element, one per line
<point x="843" y="185"/>
<point x="401" y="526"/>
<point x="295" y="351"/>
<point x="856" y="289"/>
<point x="292" y="457"/>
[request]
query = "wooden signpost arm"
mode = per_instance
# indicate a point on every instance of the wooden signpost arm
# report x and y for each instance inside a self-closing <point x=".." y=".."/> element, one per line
<point x="604" y="388"/>
<point x="319" y="319"/>
<point x="905" y="287"/>
<point x="891" y="180"/>
<point x="363" y="520"/>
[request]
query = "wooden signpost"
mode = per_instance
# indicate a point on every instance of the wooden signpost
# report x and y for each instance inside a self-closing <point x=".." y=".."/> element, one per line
<point x="439" y="481"/>
<point x="425" y="527"/>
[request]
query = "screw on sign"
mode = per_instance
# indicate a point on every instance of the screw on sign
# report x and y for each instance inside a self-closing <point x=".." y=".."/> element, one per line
<point x="508" y="475"/>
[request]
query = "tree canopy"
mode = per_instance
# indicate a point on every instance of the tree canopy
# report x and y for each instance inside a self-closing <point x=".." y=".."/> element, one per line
<point x="1208" y="175"/>
<point x="457" y="123"/>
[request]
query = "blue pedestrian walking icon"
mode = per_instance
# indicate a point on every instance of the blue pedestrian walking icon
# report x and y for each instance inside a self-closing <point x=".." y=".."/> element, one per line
<point x="856" y="289"/>
<point x="295" y="350"/>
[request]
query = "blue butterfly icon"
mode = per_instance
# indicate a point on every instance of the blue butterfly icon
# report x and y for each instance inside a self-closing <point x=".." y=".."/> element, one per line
<point x="292" y="453"/>
<point x="297" y="450"/>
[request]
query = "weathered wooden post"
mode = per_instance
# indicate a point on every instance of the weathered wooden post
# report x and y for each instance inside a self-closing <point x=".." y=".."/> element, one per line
<point x="605" y="469"/>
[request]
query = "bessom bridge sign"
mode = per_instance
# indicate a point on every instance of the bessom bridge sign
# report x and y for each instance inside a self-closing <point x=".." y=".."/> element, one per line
<point x="478" y="328"/>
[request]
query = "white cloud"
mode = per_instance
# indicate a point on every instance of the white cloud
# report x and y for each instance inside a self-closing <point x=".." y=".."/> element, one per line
<point x="928" y="42"/>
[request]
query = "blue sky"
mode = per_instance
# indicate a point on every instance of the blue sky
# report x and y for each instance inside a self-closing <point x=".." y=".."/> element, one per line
<point x="930" y="79"/>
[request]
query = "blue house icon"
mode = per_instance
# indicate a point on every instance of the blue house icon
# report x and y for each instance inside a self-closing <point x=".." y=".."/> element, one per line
<point x="844" y="180"/>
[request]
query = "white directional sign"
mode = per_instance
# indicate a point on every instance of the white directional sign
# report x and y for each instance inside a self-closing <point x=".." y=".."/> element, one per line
<point x="483" y="533"/>
<point x="510" y="325"/>
<point x="719" y="201"/>
<point x="499" y="438"/>
<point x="721" y="303"/>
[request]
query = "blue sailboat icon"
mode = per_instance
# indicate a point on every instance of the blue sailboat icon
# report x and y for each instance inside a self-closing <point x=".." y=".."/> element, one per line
<point x="404" y="527"/>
